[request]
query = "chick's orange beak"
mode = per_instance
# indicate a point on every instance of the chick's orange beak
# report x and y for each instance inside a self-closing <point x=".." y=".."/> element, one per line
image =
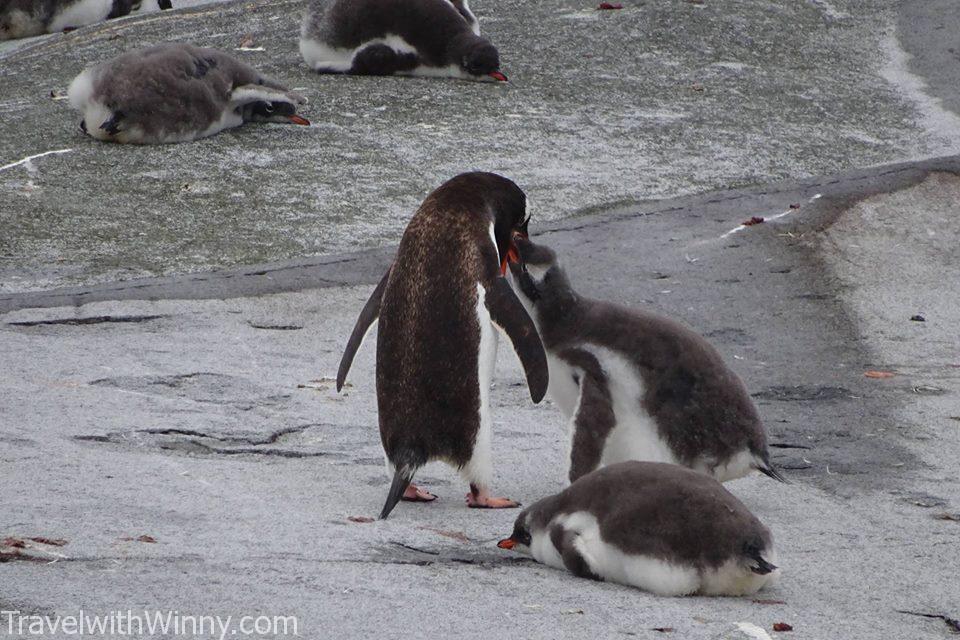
<point x="299" y="120"/>
<point x="499" y="77"/>
<point x="509" y="543"/>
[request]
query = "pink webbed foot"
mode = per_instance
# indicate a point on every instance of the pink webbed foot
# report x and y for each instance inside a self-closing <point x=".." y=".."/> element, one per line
<point x="413" y="493"/>
<point x="481" y="499"/>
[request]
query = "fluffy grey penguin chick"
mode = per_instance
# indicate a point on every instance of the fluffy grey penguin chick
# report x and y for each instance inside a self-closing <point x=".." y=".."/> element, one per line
<point x="25" y="18"/>
<point x="405" y="37"/>
<point x="655" y="526"/>
<point x="634" y="385"/>
<point x="176" y="93"/>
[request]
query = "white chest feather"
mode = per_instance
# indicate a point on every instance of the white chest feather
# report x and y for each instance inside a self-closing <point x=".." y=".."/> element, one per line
<point x="736" y="466"/>
<point x="479" y="469"/>
<point x="635" y="436"/>
<point x="323" y="57"/>
<point x="80" y="13"/>
<point x="562" y="389"/>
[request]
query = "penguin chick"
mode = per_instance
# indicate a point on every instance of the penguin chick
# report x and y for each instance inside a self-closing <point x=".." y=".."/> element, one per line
<point x="655" y="526"/>
<point x="404" y="37"/>
<point x="633" y="385"/>
<point x="25" y="18"/>
<point x="439" y="307"/>
<point x="176" y="93"/>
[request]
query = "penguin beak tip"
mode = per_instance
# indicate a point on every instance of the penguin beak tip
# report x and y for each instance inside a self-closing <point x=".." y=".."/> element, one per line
<point x="299" y="120"/>
<point x="499" y="77"/>
<point x="508" y="543"/>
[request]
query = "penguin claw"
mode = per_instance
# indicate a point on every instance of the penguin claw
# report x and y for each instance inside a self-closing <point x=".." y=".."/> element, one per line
<point x="413" y="493"/>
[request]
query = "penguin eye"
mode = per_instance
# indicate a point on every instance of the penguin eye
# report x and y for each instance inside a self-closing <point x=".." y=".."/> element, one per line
<point x="268" y="108"/>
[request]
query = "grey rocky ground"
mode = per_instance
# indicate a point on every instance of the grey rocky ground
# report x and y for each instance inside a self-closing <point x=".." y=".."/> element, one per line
<point x="197" y="407"/>
<point x="605" y="109"/>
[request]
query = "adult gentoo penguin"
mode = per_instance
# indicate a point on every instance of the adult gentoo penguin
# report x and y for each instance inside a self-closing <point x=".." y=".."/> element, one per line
<point x="656" y="526"/>
<point x="634" y="385"/>
<point x="24" y="18"/>
<point x="175" y="93"/>
<point x="406" y="37"/>
<point x="438" y="307"/>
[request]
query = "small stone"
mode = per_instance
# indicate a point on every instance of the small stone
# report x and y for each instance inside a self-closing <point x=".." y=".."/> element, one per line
<point x="360" y="519"/>
<point x="918" y="318"/>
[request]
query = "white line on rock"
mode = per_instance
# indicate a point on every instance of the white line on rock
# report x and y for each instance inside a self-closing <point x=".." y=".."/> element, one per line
<point x="33" y="157"/>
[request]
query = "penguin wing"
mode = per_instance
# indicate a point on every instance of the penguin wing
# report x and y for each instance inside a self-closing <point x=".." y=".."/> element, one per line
<point x="369" y="315"/>
<point x="508" y="314"/>
<point x="564" y="541"/>
<point x="594" y="418"/>
<point x="592" y="423"/>
<point x="247" y="93"/>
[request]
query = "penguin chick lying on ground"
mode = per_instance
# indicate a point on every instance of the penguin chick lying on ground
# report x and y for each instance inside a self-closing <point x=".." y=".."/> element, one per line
<point x="25" y="18"/>
<point x="634" y="385"/>
<point x="176" y="93"/>
<point x="404" y="37"/>
<point x="659" y="527"/>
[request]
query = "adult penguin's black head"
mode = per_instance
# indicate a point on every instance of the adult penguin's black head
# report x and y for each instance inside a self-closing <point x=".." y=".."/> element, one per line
<point x="510" y="217"/>
<point x="497" y="200"/>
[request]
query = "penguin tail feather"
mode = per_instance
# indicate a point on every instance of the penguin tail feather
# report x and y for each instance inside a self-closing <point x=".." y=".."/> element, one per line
<point x="762" y="567"/>
<point x="401" y="480"/>
<point x="769" y="470"/>
<point x="761" y="462"/>
<point x="753" y="551"/>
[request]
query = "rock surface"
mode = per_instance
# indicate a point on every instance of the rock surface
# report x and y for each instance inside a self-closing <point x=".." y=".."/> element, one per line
<point x="181" y="433"/>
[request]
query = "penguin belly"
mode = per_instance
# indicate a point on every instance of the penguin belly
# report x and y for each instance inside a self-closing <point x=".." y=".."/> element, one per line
<point x="740" y="464"/>
<point x="610" y="563"/>
<point x="635" y="435"/>
<point x="733" y="578"/>
<point x="324" y="57"/>
<point x="564" y="387"/>
<point x="479" y="468"/>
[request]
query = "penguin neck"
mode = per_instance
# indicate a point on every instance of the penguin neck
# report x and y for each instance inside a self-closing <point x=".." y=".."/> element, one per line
<point x="557" y="308"/>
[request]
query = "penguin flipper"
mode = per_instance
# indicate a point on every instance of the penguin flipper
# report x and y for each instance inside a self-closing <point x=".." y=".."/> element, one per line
<point x="369" y="315"/>
<point x="563" y="541"/>
<point x="245" y="94"/>
<point x="508" y="314"/>
<point x="592" y="423"/>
